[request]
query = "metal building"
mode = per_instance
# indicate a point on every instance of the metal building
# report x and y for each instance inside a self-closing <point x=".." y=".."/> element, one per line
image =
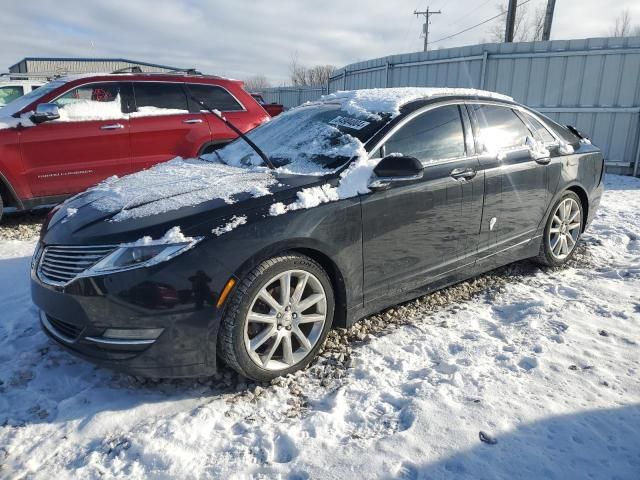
<point x="48" y="66"/>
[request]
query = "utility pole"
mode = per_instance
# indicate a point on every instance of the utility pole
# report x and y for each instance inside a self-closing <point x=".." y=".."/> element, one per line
<point x="548" y="19"/>
<point x="425" y="28"/>
<point x="511" y="21"/>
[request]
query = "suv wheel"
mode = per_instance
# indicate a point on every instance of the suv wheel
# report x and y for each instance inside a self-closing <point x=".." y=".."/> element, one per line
<point x="278" y="318"/>
<point x="562" y="231"/>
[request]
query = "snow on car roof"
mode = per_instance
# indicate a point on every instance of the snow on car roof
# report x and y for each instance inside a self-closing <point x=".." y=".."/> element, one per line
<point x="371" y="102"/>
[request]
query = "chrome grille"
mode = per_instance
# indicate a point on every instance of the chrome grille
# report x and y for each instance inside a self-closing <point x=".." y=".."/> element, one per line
<point x="61" y="263"/>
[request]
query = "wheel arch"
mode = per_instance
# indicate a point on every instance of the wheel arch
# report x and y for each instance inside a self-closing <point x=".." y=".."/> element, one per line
<point x="9" y="196"/>
<point x="211" y="145"/>
<point x="584" y="201"/>
<point x="316" y="253"/>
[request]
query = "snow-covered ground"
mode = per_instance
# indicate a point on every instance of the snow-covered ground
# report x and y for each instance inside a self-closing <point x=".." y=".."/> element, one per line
<point x="544" y="362"/>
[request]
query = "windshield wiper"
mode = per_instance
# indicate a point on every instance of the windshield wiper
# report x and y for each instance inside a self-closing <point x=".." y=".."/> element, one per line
<point x="219" y="115"/>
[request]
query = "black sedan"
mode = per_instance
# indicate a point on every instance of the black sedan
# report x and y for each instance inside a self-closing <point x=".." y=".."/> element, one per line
<point x="329" y="212"/>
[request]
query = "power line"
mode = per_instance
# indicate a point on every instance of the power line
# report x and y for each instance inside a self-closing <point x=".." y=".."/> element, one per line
<point x="478" y="24"/>
<point x="473" y="10"/>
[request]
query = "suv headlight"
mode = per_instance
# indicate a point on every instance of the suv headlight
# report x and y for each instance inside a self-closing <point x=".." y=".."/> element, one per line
<point x="137" y="256"/>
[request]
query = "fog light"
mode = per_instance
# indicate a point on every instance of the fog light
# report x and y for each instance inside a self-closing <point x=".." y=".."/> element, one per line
<point x="133" y="333"/>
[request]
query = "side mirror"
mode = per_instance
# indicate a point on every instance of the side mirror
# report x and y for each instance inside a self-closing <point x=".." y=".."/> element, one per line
<point x="45" y="112"/>
<point x="395" y="168"/>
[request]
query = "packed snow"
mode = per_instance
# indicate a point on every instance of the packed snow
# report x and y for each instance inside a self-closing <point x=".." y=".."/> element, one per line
<point x="232" y="224"/>
<point x="537" y="149"/>
<point x="293" y="139"/>
<point x="370" y="103"/>
<point x="176" y="184"/>
<point x="174" y="235"/>
<point x="535" y="376"/>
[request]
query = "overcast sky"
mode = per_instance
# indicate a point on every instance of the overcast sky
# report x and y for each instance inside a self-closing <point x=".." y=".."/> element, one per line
<point x="243" y="38"/>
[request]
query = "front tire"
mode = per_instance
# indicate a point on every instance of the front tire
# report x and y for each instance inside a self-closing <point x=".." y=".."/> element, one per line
<point x="278" y="318"/>
<point x="562" y="231"/>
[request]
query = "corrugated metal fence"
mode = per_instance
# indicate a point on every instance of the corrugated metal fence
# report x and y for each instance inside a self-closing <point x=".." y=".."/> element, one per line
<point x="593" y="84"/>
<point x="292" y="96"/>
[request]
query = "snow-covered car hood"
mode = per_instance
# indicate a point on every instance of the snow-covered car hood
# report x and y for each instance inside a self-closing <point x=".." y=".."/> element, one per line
<point x="178" y="192"/>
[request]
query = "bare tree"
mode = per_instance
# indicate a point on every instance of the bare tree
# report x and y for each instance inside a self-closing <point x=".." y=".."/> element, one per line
<point x="256" y="83"/>
<point x="320" y="74"/>
<point x="528" y="26"/>
<point x="302" y="76"/>
<point x="622" y="27"/>
<point x="297" y="72"/>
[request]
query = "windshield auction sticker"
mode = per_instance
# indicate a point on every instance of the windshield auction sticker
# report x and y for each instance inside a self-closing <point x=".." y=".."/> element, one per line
<point x="347" y="122"/>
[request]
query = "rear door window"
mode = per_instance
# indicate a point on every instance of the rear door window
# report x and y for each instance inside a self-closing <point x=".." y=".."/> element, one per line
<point x="157" y="98"/>
<point x="500" y="127"/>
<point x="434" y="135"/>
<point x="94" y="101"/>
<point x="541" y="131"/>
<point x="215" y="97"/>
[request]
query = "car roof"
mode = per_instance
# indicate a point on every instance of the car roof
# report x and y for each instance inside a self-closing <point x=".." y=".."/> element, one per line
<point x="159" y="76"/>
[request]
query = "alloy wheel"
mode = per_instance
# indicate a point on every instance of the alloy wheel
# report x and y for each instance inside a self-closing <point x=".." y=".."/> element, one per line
<point x="285" y="320"/>
<point x="566" y="225"/>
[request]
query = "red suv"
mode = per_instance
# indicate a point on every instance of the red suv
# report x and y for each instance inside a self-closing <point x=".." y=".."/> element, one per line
<point x="76" y="131"/>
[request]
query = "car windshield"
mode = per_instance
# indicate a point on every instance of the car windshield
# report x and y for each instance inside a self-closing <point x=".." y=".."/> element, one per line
<point x="19" y="103"/>
<point x="309" y="139"/>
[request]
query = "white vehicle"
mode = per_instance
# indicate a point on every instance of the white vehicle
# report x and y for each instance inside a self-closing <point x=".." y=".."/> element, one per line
<point x="12" y="89"/>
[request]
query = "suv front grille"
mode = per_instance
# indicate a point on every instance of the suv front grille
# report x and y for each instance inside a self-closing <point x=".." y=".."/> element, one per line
<point x="61" y="264"/>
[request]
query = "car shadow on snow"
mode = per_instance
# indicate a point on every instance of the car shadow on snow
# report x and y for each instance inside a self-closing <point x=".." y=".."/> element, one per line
<point x="595" y="444"/>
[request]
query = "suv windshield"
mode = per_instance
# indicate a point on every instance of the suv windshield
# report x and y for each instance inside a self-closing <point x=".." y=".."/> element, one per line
<point x="307" y="139"/>
<point x="19" y="103"/>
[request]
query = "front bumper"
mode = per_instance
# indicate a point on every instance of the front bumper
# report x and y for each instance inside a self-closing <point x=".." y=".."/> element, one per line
<point x="164" y="297"/>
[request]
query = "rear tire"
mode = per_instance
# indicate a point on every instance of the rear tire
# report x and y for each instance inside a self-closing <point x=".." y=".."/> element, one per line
<point x="277" y="318"/>
<point x="562" y="231"/>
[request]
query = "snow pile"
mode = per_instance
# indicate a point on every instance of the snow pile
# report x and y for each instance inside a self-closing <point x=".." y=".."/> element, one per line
<point x="174" y="235"/>
<point x="372" y="102"/>
<point x="176" y="184"/>
<point x="232" y="224"/>
<point x="537" y="149"/>
<point x="353" y="181"/>
<point x="545" y="362"/>
<point x="565" y="148"/>
<point x="155" y="111"/>
<point x="88" y="110"/>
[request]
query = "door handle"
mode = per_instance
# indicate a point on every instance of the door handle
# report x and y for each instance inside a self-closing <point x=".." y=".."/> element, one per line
<point x="193" y="120"/>
<point x="113" y="126"/>
<point x="543" y="161"/>
<point x="465" y="173"/>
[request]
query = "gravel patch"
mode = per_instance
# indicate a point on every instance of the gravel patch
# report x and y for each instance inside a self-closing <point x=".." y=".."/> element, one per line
<point x="22" y="225"/>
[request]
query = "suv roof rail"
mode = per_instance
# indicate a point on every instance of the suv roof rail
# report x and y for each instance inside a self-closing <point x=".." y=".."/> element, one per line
<point x="131" y="69"/>
<point x="186" y="71"/>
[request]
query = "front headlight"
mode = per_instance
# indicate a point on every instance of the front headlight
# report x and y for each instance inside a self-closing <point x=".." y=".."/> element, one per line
<point x="137" y="256"/>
